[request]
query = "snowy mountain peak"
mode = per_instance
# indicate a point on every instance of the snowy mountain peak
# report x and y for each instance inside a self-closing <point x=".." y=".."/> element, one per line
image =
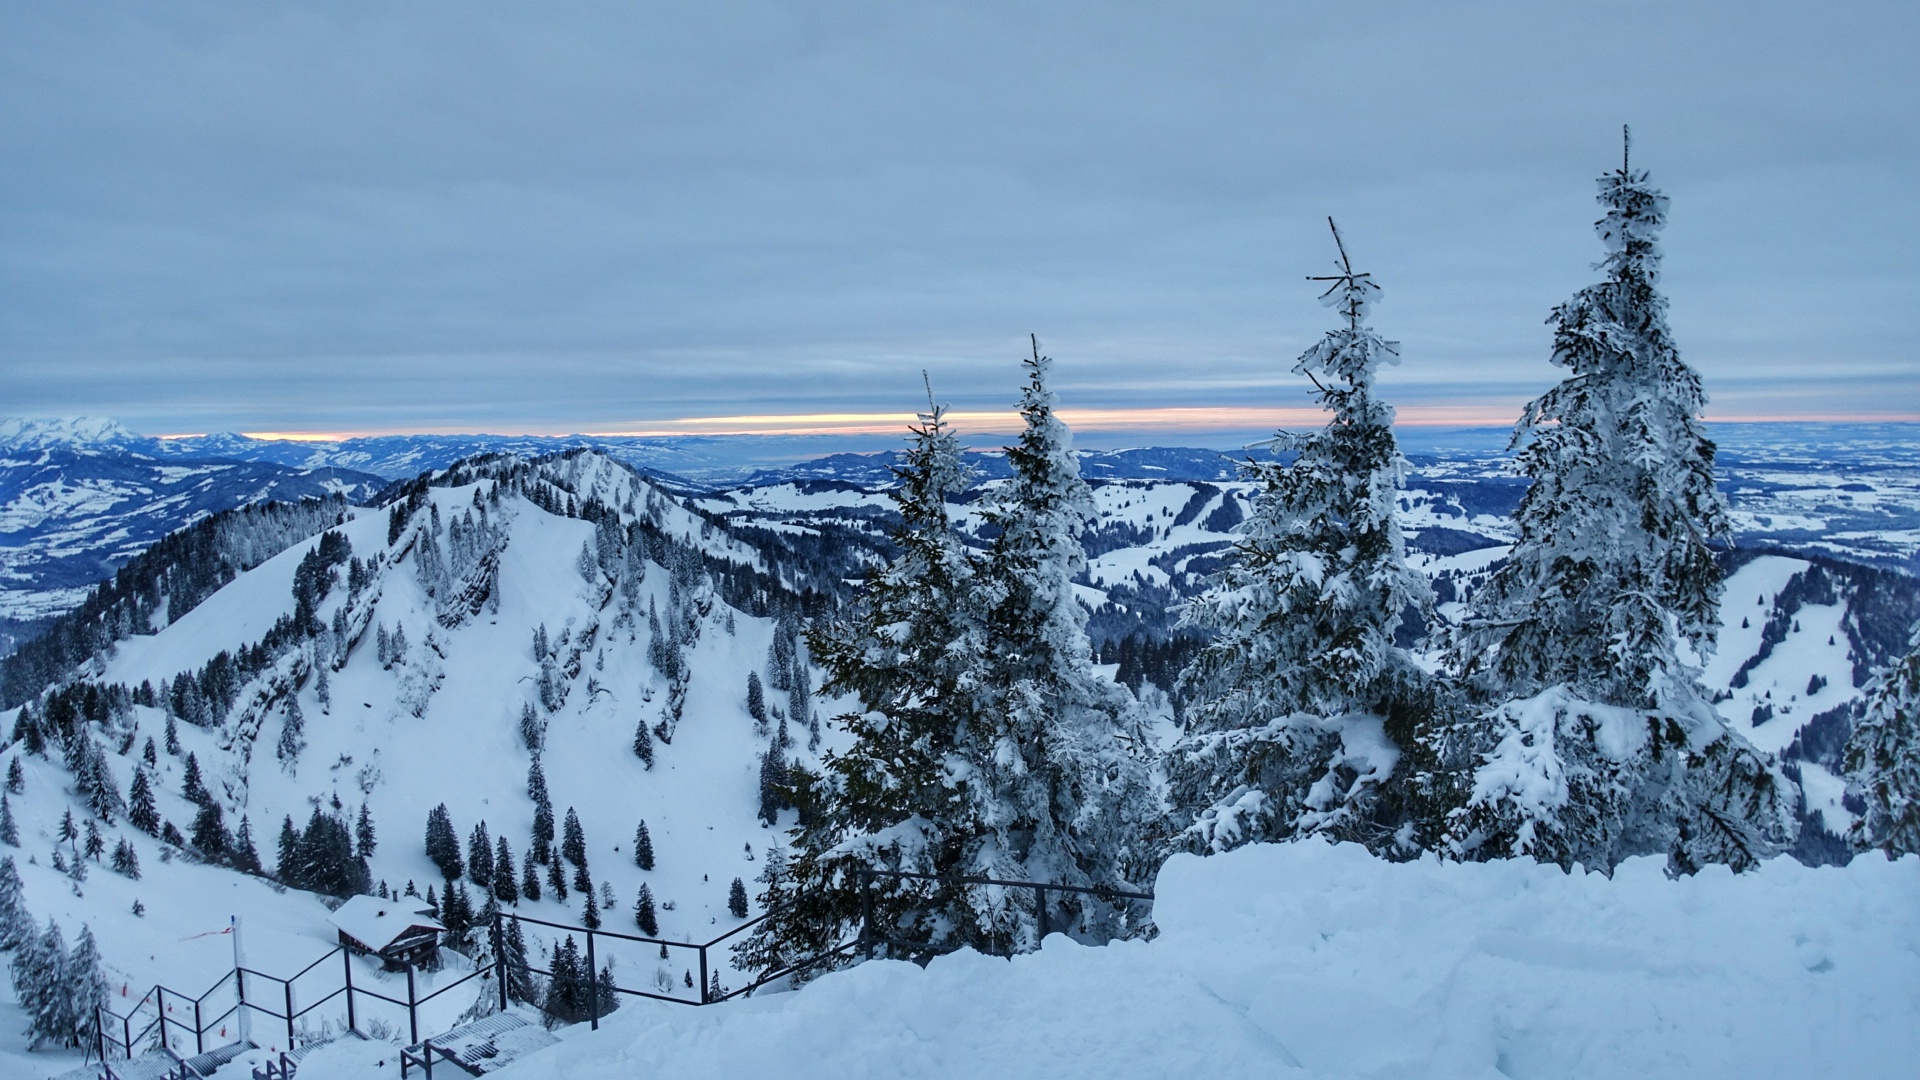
<point x="18" y="434"/>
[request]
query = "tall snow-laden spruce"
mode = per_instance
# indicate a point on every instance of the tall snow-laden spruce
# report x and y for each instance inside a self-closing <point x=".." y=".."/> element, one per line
<point x="987" y="746"/>
<point x="1599" y="742"/>
<point x="898" y="796"/>
<point x="1063" y="783"/>
<point x="1288" y="733"/>
<point x="1883" y="761"/>
<point x="1612" y="571"/>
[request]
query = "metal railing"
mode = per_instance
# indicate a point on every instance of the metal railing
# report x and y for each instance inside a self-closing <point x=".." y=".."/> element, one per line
<point x="1043" y="911"/>
<point x="117" y="1033"/>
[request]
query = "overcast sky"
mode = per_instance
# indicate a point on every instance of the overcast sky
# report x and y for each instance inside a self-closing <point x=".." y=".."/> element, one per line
<point x="621" y="217"/>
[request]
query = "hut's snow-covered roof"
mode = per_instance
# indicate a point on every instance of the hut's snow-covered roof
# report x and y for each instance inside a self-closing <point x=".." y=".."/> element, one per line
<point x="378" y="923"/>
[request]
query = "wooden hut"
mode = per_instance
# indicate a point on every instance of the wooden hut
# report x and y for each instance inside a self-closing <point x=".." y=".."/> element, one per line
<point x="400" y="933"/>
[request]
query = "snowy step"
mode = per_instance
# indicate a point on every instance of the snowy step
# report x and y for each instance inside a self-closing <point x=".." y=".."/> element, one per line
<point x="153" y="1065"/>
<point x="159" y="1065"/>
<point x="286" y="1065"/>
<point x="206" y="1064"/>
<point x="488" y="1044"/>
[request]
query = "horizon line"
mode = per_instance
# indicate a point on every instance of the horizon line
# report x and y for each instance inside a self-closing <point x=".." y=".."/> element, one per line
<point x="1198" y="420"/>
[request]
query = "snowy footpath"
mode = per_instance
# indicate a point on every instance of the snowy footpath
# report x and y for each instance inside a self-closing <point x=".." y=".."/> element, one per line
<point x="1317" y="960"/>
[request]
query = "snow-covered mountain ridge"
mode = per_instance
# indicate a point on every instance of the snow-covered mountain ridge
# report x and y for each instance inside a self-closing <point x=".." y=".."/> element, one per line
<point x="569" y="606"/>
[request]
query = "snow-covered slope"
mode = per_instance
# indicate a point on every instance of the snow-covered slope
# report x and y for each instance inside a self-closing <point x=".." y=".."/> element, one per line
<point x="444" y="723"/>
<point x="1311" y="960"/>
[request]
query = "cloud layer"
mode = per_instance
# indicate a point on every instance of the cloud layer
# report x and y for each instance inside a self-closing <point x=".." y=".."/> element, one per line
<point x="610" y="216"/>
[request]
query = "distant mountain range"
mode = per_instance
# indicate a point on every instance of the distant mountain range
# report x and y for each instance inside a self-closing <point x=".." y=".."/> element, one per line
<point x="80" y="496"/>
<point x="689" y="461"/>
<point x="77" y="501"/>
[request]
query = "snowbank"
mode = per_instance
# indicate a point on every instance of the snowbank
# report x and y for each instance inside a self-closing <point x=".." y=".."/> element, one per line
<point x="1316" y="960"/>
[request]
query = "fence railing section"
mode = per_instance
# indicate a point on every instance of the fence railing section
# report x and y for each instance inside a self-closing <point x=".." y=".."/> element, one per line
<point x="164" y="1017"/>
<point x="872" y="935"/>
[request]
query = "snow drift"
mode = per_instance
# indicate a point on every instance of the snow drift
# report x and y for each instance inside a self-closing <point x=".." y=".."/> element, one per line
<point x="1318" y="960"/>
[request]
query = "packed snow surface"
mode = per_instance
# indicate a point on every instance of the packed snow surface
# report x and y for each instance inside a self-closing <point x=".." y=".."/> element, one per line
<point x="1316" y="960"/>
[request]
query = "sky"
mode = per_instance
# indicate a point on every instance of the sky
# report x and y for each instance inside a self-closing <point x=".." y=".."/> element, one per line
<point x="360" y="218"/>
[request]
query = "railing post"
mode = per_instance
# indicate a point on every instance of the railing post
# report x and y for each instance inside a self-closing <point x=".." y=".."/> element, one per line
<point x="1040" y="899"/>
<point x="413" y="1014"/>
<point x="199" y="1037"/>
<point x="126" y="1032"/>
<point x="288" y="987"/>
<point x="500" y="955"/>
<point x="242" y="1022"/>
<point x="593" y="983"/>
<point x="705" y="997"/>
<point x="99" y="1034"/>
<point x="866" y="913"/>
<point x="346" y="959"/>
<point x="426" y="1057"/>
<point x="160" y="1009"/>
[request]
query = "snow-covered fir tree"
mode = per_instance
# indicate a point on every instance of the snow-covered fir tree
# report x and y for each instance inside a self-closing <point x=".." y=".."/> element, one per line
<point x="897" y="797"/>
<point x="987" y="745"/>
<point x="521" y="987"/>
<point x="246" y="857"/>
<point x="192" y="788"/>
<point x="1292" y="700"/>
<point x="530" y="879"/>
<point x="16" y="925"/>
<point x="480" y="856"/>
<point x="644" y="915"/>
<point x="756" y="701"/>
<point x="573" y="840"/>
<point x="773" y="785"/>
<point x="84" y="986"/>
<point x="126" y="861"/>
<point x="1612" y="571"/>
<point x="1883" y="761"/>
<point x="506" y="885"/>
<point x="292" y="733"/>
<point x="59" y="990"/>
<point x="365" y="840"/>
<point x="1598" y="742"/>
<point x="443" y="844"/>
<point x="533" y="730"/>
<point x="38" y="970"/>
<point x="142" y="814"/>
<point x="1064" y="784"/>
<point x="642" y="847"/>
